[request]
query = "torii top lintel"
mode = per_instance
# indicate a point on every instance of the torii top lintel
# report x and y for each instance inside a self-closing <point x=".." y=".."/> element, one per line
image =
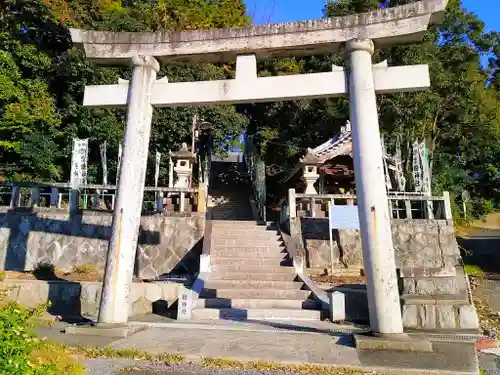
<point x="402" y="24"/>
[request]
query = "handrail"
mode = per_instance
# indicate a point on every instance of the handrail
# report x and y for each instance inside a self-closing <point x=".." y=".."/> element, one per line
<point x="98" y="197"/>
<point x="402" y="205"/>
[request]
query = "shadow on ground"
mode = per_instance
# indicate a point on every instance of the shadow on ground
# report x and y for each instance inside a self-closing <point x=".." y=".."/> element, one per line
<point x="482" y="249"/>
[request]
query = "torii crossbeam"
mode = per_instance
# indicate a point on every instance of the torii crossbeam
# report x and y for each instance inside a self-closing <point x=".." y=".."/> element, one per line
<point x="356" y="35"/>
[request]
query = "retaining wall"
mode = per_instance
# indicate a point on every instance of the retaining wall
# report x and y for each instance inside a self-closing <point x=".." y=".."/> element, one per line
<point x="73" y="299"/>
<point x="28" y="237"/>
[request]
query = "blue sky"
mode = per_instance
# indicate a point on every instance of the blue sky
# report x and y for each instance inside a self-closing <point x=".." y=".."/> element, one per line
<point x="265" y="11"/>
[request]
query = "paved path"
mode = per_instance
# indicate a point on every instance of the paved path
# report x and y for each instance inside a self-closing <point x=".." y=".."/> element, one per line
<point x="270" y="342"/>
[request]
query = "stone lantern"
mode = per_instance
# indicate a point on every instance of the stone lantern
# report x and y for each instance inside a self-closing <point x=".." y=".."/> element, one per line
<point x="183" y="161"/>
<point x="310" y="175"/>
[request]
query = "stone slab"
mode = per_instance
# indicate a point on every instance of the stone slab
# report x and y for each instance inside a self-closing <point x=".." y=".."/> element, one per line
<point x="104" y="330"/>
<point x="405" y="23"/>
<point x="447" y="357"/>
<point x="393" y="342"/>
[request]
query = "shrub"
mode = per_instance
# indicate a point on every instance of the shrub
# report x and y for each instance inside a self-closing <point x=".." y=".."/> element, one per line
<point x="22" y="352"/>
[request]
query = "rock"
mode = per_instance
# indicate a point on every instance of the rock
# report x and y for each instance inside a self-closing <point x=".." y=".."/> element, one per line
<point x="142" y="306"/>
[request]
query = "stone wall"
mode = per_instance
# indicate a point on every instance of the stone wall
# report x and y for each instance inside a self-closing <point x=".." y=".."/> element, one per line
<point x="74" y="299"/>
<point x="433" y="285"/>
<point x="28" y="237"/>
<point x="418" y="243"/>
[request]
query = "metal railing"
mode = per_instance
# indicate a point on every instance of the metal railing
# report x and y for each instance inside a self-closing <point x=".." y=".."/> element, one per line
<point x="93" y="197"/>
<point x="409" y="206"/>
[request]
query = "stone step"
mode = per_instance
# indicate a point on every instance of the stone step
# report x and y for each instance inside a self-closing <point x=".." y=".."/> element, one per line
<point x="256" y="270"/>
<point x="239" y="233"/>
<point x="248" y="261"/>
<point x="253" y="284"/>
<point x="246" y="242"/>
<point x="256" y="314"/>
<point x="227" y="252"/>
<point x="218" y="303"/>
<point x="254" y="293"/>
<point x="272" y="276"/>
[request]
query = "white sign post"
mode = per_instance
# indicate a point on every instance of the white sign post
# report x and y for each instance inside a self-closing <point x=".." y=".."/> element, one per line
<point x="341" y="217"/>
<point x="79" y="161"/>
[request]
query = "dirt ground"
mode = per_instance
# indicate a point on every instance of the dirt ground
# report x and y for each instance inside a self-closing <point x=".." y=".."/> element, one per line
<point x="333" y="280"/>
<point x="87" y="275"/>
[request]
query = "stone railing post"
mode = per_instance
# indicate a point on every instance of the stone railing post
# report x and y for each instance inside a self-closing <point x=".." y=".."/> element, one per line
<point x="292" y="203"/>
<point x="35" y="196"/>
<point x="409" y="215"/>
<point x="54" y="197"/>
<point x="429" y="208"/>
<point x="96" y="204"/>
<point x="375" y="225"/>
<point x="202" y="203"/>
<point x="122" y="245"/>
<point x="15" y="196"/>
<point x="447" y="206"/>
<point x="74" y="200"/>
<point x="182" y="202"/>
<point x="159" y="201"/>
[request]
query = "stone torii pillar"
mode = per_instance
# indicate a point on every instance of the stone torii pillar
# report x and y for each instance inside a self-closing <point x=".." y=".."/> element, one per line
<point x="128" y="206"/>
<point x="374" y="221"/>
<point x="361" y="80"/>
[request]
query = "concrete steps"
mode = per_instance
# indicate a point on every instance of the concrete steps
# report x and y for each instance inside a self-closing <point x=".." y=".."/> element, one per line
<point x="228" y="275"/>
<point x="253" y="284"/>
<point x="255" y="293"/>
<point x="248" y="253"/>
<point x="250" y="271"/>
<point x="256" y="314"/>
<point x="241" y="303"/>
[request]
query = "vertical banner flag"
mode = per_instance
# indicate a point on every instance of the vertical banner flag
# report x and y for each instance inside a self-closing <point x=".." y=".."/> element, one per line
<point x="104" y="162"/>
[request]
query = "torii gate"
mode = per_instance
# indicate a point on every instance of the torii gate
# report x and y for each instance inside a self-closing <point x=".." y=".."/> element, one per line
<point x="360" y="79"/>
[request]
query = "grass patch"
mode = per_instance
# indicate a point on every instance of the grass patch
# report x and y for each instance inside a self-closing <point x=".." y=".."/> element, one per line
<point x="218" y="363"/>
<point x="22" y="352"/>
<point x="84" y="270"/>
<point x="134" y="354"/>
<point x="55" y="359"/>
<point x="473" y="270"/>
<point x="3" y="275"/>
<point x="228" y="364"/>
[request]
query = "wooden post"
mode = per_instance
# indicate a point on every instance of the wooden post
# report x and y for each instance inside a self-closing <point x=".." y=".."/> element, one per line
<point x="292" y="204"/>
<point x="312" y="209"/>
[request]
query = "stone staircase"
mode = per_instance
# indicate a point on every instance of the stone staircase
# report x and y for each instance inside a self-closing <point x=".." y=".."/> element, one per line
<point x="251" y="275"/>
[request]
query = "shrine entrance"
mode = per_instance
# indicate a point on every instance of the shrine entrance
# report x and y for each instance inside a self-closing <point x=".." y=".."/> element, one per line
<point x="360" y="79"/>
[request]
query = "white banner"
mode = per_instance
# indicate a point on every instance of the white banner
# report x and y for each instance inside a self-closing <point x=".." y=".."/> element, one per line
<point x="157" y="168"/>
<point x="118" y="166"/>
<point x="79" y="160"/>
<point x="104" y="162"/>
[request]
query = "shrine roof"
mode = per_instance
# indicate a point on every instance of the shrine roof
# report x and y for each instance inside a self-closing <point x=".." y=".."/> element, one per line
<point x="402" y="24"/>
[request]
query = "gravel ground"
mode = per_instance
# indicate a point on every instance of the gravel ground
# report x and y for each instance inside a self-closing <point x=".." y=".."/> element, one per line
<point x="489" y="363"/>
<point x="129" y="367"/>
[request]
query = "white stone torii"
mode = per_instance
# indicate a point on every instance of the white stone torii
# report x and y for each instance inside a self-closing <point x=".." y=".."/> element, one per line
<point x="360" y="79"/>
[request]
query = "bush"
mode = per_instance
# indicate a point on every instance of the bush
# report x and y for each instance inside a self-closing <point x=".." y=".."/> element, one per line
<point x="22" y="352"/>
